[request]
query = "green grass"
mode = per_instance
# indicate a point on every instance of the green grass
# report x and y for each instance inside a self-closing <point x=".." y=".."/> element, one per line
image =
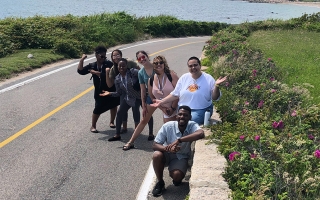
<point x="296" y="52"/>
<point x="18" y="62"/>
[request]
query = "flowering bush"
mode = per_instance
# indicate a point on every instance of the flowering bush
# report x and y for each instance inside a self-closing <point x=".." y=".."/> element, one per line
<point x="270" y="132"/>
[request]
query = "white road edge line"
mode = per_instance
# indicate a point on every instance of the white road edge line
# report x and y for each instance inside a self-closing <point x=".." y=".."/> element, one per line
<point x="71" y="65"/>
<point x="145" y="187"/>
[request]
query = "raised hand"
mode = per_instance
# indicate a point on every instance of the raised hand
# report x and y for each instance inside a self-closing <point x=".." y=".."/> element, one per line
<point x="221" y="80"/>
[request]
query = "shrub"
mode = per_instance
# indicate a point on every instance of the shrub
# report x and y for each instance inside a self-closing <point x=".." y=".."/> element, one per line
<point x="270" y="131"/>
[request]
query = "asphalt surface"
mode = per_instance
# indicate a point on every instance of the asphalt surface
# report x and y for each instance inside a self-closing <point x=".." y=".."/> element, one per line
<point x="46" y="148"/>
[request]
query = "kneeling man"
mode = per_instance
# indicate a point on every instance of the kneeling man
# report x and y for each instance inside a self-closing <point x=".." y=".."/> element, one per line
<point x="172" y="148"/>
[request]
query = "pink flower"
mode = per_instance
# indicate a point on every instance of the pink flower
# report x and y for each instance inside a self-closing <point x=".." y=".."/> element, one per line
<point x="269" y="59"/>
<point x="253" y="156"/>
<point x="311" y="137"/>
<point x="242" y="137"/>
<point x="316" y="154"/>
<point x="294" y="113"/>
<point x="273" y="90"/>
<point x="258" y="87"/>
<point x="260" y="104"/>
<point x="254" y="72"/>
<point x="257" y="137"/>
<point x="233" y="155"/>
<point x="246" y="103"/>
<point x="244" y="111"/>
<point x="272" y="79"/>
<point x="275" y="124"/>
<point x="278" y="125"/>
<point x="227" y="84"/>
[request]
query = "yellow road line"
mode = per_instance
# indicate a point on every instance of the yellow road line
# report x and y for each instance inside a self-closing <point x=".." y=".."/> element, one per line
<point x="38" y="121"/>
<point x="22" y="131"/>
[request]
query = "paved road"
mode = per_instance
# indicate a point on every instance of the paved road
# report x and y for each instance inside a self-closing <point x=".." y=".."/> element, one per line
<point x="46" y="148"/>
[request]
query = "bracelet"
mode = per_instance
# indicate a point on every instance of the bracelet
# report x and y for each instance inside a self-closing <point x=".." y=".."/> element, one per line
<point x="179" y="140"/>
<point x="217" y="85"/>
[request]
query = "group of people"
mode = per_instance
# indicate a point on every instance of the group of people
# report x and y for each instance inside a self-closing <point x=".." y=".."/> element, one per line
<point x="183" y="102"/>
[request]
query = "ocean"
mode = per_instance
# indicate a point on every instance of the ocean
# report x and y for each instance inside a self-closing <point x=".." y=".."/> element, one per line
<point x="232" y="12"/>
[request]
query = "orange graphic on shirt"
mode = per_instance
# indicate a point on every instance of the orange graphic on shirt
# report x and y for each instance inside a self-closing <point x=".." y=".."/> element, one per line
<point x="193" y="87"/>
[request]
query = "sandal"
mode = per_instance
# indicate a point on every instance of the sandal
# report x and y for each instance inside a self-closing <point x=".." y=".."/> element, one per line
<point x="128" y="146"/>
<point x="112" y="125"/>
<point x="94" y="130"/>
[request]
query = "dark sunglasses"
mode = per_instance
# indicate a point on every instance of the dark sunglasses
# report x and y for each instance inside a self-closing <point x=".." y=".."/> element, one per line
<point x="103" y="57"/>
<point x="158" y="63"/>
<point x="141" y="58"/>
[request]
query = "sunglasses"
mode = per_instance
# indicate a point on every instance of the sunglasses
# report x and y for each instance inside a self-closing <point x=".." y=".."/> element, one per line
<point x="193" y="65"/>
<point x="158" y="63"/>
<point x="141" y="58"/>
<point x="103" y="57"/>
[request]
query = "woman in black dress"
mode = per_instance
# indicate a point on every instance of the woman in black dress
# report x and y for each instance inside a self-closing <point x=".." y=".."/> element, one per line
<point x="98" y="69"/>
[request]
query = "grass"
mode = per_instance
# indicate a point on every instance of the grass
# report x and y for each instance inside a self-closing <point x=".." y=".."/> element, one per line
<point x="19" y="62"/>
<point x="296" y="52"/>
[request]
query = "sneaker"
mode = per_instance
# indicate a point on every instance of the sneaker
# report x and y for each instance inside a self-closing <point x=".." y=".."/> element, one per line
<point x="158" y="189"/>
<point x="150" y="137"/>
<point x="176" y="183"/>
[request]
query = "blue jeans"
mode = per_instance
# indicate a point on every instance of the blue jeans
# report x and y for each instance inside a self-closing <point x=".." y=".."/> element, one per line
<point x="198" y="114"/>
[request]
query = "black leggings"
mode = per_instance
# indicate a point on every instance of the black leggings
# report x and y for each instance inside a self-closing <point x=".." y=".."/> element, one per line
<point x="123" y="111"/>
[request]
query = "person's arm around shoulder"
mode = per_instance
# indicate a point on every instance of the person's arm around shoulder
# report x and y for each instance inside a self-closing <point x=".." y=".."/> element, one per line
<point x="216" y="93"/>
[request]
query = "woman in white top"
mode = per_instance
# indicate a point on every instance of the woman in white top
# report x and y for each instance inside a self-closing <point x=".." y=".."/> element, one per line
<point x="195" y="89"/>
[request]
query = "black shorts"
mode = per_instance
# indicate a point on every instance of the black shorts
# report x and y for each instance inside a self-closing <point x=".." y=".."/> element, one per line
<point x="104" y="104"/>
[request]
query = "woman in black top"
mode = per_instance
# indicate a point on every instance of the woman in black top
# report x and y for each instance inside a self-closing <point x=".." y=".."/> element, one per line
<point x="97" y="69"/>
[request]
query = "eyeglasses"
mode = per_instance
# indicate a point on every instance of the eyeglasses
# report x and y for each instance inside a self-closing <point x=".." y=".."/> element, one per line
<point x="193" y="65"/>
<point x="117" y="55"/>
<point x="158" y="63"/>
<point x="141" y="58"/>
<point x="103" y="57"/>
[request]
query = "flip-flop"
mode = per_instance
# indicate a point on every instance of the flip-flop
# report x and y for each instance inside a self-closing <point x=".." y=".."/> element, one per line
<point x="112" y="126"/>
<point x="93" y="130"/>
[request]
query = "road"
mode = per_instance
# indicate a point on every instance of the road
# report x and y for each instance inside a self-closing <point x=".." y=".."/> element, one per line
<point x="46" y="148"/>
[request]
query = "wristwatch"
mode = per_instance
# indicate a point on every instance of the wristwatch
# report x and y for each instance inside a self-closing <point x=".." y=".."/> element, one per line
<point x="179" y="140"/>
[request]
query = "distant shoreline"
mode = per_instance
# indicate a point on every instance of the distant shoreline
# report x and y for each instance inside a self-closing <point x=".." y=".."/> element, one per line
<point x="309" y="4"/>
